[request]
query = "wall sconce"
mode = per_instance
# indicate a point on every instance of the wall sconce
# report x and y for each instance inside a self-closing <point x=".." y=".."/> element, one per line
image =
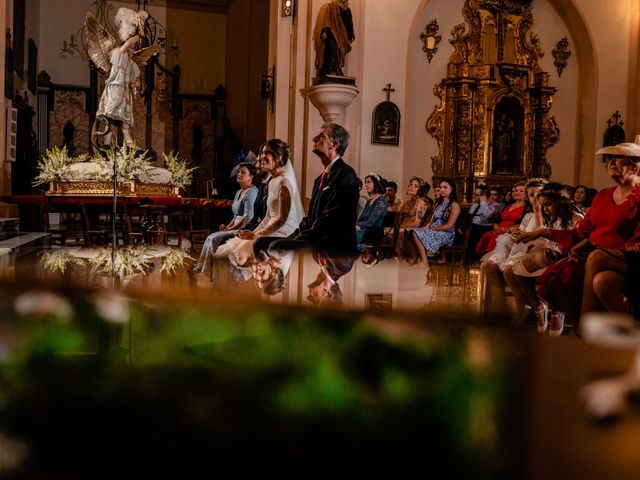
<point x="561" y="55"/>
<point x="268" y="86"/>
<point x="430" y="39"/>
<point x="287" y="8"/>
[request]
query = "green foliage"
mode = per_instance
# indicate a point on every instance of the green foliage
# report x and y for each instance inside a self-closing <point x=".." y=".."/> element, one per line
<point x="181" y="173"/>
<point x="207" y="390"/>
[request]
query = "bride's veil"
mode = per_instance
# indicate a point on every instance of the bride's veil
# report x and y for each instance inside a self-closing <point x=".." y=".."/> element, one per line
<point x="297" y="211"/>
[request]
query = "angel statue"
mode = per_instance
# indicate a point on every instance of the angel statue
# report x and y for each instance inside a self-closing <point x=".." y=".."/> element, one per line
<point x="123" y="64"/>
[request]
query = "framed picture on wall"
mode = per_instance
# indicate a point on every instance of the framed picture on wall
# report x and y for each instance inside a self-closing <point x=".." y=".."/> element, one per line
<point x="32" y="67"/>
<point x="385" y="124"/>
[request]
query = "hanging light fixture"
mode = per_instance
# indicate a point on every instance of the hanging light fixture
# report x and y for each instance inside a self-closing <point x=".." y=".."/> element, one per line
<point x="154" y="31"/>
<point x="76" y="46"/>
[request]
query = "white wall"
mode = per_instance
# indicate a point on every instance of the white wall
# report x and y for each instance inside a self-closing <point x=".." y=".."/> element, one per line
<point x="609" y="25"/>
<point x="388" y="50"/>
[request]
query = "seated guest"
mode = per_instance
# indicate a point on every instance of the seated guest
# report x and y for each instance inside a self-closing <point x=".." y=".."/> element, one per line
<point x="611" y="223"/>
<point x="494" y="261"/>
<point x="369" y="228"/>
<point x="242" y="208"/>
<point x="528" y="261"/>
<point x="483" y="212"/>
<point x="509" y="220"/>
<point x="393" y="200"/>
<point x="582" y="199"/>
<point x="436" y="193"/>
<point x="414" y="213"/>
<point x="441" y="229"/>
<point x="495" y="195"/>
<point x="334" y="200"/>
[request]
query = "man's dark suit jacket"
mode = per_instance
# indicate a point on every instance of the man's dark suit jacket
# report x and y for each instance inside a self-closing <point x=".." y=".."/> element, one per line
<point x="259" y="206"/>
<point x="331" y="220"/>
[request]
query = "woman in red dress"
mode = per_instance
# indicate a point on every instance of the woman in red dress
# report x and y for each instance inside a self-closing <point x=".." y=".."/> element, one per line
<point x="509" y="221"/>
<point x="612" y="223"/>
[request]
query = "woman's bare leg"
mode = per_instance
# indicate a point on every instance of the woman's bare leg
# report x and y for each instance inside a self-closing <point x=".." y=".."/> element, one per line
<point x="420" y="248"/>
<point x="604" y="282"/>
<point x="494" y="295"/>
<point x="518" y="295"/>
<point x="609" y="287"/>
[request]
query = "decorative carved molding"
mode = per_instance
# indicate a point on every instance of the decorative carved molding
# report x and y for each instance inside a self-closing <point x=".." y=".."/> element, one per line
<point x="494" y="82"/>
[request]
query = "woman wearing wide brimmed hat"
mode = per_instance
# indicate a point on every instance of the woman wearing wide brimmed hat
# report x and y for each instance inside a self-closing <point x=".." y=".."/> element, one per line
<point x="611" y="226"/>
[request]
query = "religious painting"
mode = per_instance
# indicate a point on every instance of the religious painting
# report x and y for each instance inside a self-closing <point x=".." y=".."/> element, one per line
<point x="32" y="66"/>
<point x="614" y="134"/>
<point x="508" y="128"/>
<point x="385" y="125"/>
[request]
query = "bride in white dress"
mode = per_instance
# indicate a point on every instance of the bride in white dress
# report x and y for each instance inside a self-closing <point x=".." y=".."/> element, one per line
<point x="284" y="207"/>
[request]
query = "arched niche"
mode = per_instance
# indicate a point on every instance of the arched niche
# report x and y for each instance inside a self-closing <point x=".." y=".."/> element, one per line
<point x="508" y="137"/>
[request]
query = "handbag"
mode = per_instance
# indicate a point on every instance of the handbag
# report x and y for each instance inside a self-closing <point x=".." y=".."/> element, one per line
<point x="540" y="258"/>
<point x="515" y="235"/>
<point x="580" y="251"/>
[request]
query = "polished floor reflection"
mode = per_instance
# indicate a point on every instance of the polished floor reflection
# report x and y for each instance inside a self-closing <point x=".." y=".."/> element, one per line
<point x="298" y="278"/>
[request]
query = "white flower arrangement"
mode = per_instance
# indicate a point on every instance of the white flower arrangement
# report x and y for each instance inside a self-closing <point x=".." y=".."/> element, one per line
<point x="56" y="165"/>
<point x="130" y="165"/>
<point x="53" y="165"/>
<point x="181" y="173"/>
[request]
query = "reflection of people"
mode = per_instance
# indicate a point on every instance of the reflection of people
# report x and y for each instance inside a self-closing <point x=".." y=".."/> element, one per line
<point x="335" y="23"/>
<point x="325" y="288"/>
<point x="503" y="141"/>
<point x="270" y="270"/>
<point x="116" y="102"/>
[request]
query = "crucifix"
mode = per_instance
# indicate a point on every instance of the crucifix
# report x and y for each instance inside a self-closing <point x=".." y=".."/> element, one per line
<point x="388" y="90"/>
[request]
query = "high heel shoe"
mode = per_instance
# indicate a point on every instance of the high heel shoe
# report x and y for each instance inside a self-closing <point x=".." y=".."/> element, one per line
<point x="541" y="314"/>
<point x="556" y="318"/>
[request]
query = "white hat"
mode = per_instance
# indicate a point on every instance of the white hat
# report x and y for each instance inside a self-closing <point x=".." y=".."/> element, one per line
<point x="624" y="149"/>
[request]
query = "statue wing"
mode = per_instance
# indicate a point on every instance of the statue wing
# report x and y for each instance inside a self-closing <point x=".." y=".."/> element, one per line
<point x="99" y="43"/>
<point x="142" y="56"/>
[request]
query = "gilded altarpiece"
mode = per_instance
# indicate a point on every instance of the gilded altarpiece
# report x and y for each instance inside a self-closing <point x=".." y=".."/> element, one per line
<point x="492" y="123"/>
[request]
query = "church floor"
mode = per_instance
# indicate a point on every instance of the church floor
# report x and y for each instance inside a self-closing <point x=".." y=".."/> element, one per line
<point x="502" y="401"/>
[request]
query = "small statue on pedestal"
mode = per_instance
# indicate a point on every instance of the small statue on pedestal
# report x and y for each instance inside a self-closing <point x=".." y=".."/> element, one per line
<point x="333" y="36"/>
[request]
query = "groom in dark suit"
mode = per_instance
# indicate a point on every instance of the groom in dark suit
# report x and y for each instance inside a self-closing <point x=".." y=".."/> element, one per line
<point x="331" y="220"/>
<point x="330" y="223"/>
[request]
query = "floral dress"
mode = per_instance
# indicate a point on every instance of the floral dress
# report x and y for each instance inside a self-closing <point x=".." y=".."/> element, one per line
<point x="433" y="240"/>
<point x="371" y="222"/>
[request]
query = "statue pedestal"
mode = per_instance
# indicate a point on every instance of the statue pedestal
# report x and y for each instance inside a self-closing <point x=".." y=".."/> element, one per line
<point x="332" y="99"/>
